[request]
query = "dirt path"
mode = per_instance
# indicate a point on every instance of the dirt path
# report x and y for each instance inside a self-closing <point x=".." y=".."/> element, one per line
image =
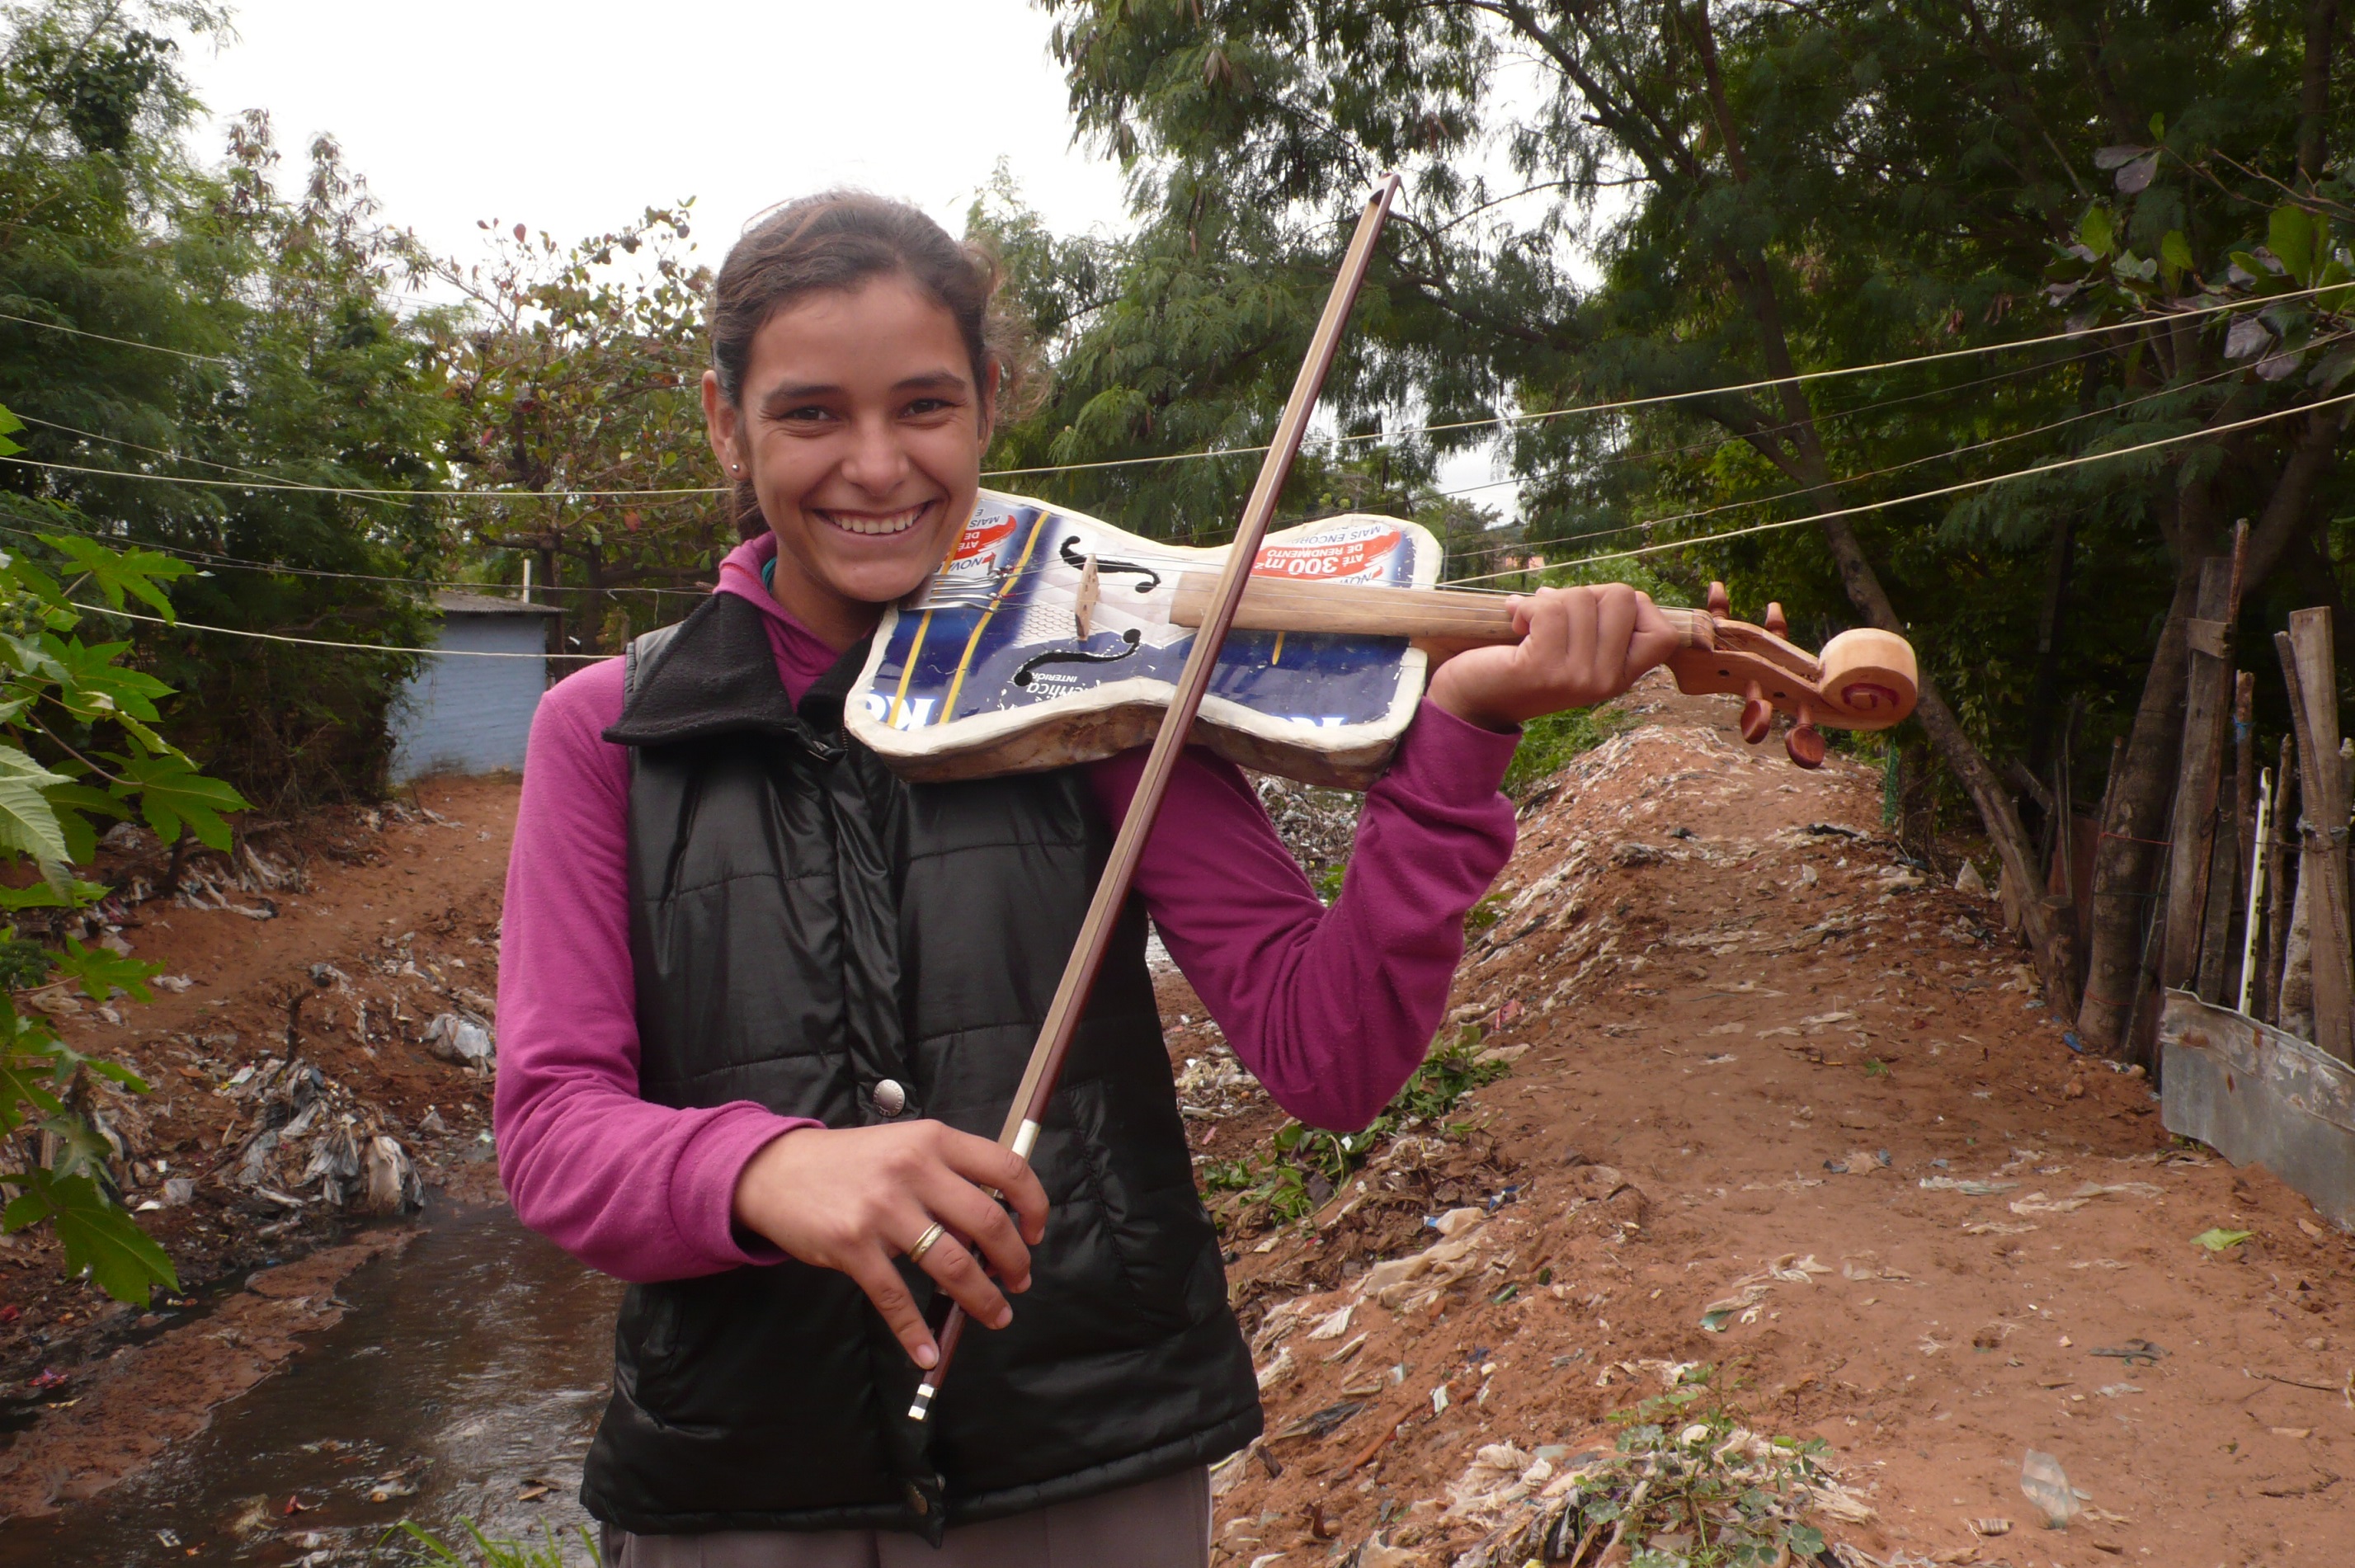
<point x="1759" y="1055"/>
<point x="380" y="921"/>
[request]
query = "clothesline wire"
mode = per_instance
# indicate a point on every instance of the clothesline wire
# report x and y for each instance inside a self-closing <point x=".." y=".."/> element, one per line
<point x="1624" y="455"/>
<point x="326" y="643"/>
<point x="1980" y="484"/>
<point x="1655" y="400"/>
<point x="1612" y="406"/>
<point x="212" y="558"/>
<point x="125" y="342"/>
<point x="1914" y="462"/>
<point x="2078" y="461"/>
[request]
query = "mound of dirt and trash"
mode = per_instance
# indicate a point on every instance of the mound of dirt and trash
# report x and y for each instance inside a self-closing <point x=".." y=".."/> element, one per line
<point x="1792" y="1226"/>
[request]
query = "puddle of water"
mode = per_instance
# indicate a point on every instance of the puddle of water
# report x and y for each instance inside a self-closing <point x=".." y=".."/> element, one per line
<point x="474" y="1368"/>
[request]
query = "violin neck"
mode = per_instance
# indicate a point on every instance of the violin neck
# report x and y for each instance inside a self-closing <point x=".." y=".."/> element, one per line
<point x="1436" y="615"/>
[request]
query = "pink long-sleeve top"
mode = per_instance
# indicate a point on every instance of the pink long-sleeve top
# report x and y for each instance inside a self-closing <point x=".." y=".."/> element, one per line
<point x="1331" y="1008"/>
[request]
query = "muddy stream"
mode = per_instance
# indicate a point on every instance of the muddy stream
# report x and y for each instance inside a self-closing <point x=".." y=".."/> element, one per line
<point x="472" y="1367"/>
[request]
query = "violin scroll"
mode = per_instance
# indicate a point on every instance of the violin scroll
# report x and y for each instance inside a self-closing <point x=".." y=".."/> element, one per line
<point x="1864" y="680"/>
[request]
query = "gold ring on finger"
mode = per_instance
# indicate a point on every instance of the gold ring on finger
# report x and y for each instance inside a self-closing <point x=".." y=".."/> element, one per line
<point x="932" y="1233"/>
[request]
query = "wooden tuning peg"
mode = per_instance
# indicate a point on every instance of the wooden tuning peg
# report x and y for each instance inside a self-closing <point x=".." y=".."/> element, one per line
<point x="1718" y="603"/>
<point x="1757" y="714"/>
<point x="1805" y="743"/>
<point x="1774" y="622"/>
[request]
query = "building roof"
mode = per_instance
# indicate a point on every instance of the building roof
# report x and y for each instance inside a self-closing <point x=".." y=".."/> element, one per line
<point x="452" y="602"/>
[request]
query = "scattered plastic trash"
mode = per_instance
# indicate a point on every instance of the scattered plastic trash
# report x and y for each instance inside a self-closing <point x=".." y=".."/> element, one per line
<point x="2047" y="1485"/>
<point x="1967" y="1187"/>
<point x="1968" y="880"/>
<point x="2219" y="1239"/>
<point x="2130" y="1352"/>
<point x="457" y="1039"/>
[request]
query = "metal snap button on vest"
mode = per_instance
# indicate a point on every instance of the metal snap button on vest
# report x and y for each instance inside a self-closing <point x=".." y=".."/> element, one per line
<point x="888" y="1098"/>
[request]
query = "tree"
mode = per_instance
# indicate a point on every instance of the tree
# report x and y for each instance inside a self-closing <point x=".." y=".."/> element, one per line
<point x="1766" y="194"/>
<point x="579" y="378"/>
<point x="202" y="363"/>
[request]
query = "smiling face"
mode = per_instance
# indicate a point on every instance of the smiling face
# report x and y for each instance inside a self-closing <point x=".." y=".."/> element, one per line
<point x="861" y="429"/>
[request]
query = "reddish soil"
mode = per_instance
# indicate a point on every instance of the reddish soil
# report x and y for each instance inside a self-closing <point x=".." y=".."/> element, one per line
<point x="1714" y="1022"/>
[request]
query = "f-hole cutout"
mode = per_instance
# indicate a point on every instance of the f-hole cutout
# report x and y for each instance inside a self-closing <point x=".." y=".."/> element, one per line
<point x="1077" y="655"/>
<point x="1077" y="560"/>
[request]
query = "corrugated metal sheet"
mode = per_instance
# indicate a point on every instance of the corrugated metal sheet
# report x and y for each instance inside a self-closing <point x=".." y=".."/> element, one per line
<point x="2257" y="1096"/>
<point x="471" y="715"/>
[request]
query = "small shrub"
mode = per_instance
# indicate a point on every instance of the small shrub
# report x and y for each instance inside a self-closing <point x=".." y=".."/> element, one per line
<point x="1446" y="1075"/>
<point x="1548" y="743"/>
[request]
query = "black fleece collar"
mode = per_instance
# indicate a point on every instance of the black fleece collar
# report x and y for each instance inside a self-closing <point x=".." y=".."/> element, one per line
<point x="715" y="674"/>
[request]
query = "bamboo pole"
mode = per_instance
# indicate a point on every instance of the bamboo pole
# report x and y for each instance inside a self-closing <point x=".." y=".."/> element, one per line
<point x="2257" y="890"/>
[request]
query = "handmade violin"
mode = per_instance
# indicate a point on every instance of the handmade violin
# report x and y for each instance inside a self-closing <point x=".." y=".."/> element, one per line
<point x="1048" y="638"/>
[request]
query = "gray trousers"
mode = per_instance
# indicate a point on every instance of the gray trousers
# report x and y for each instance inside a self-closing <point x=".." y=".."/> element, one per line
<point x="1159" y="1524"/>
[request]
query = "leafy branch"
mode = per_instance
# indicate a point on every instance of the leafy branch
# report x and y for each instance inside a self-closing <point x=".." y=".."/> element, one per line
<point x="62" y="701"/>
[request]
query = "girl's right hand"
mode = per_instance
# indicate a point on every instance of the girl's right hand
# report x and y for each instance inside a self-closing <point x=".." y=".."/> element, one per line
<point x="854" y="1199"/>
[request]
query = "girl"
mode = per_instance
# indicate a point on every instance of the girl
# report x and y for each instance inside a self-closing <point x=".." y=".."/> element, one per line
<point x="762" y="1003"/>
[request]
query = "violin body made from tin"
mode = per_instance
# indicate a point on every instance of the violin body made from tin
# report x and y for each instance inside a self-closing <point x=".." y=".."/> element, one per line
<point x="1048" y="638"/>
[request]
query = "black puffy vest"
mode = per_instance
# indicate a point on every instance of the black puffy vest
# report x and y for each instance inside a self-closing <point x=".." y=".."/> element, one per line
<point x="803" y="925"/>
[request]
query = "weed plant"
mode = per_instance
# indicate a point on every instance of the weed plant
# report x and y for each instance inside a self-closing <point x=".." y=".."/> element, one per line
<point x="1286" y="1180"/>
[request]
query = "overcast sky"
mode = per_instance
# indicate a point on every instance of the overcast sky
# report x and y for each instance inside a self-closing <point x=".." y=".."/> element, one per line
<point x="573" y="118"/>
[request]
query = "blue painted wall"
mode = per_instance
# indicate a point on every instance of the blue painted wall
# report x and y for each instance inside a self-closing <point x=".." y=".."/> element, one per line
<point x="467" y="715"/>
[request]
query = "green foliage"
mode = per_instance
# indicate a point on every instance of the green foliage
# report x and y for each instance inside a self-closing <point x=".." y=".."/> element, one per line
<point x="62" y="703"/>
<point x="548" y="1551"/>
<point x="1447" y="1074"/>
<point x="99" y="1239"/>
<point x="1692" y="1487"/>
<point x="215" y="329"/>
<point x="1656" y="201"/>
<point x="1548" y="743"/>
<point x="582" y="374"/>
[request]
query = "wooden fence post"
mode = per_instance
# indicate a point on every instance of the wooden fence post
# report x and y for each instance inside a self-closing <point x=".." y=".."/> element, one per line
<point x="2228" y="856"/>
<point x="2278" y="889"/>
<point x="2206" y="708"/>
<point x="2311" y="671"/>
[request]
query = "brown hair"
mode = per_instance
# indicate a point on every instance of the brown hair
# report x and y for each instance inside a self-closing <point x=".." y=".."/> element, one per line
<point x="842" y="239"/>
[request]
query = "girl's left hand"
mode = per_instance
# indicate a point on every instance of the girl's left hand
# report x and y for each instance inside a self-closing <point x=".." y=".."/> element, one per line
<point x="1579" y="646"/>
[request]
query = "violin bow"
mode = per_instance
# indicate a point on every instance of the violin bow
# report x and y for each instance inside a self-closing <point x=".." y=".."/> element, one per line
<point x="1063" y="1020"/>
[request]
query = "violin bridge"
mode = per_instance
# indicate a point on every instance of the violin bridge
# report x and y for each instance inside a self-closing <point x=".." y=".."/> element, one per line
<point x="1084" y="601"/>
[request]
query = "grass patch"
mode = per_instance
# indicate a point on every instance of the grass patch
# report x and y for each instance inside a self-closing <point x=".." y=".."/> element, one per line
<point x="480" y="1550"/>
